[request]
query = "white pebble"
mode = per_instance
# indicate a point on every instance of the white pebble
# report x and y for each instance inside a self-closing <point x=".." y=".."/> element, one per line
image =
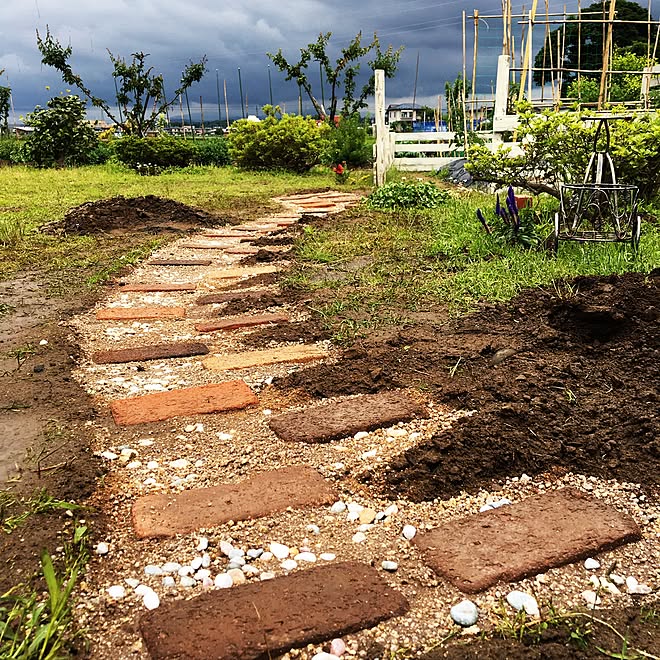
<point x="248" y="569"/>
<point x="280" y="551"/>
<point x="327" y="556"/>
<point x="397" y="433"/>
<point x="289" y="564"/>
<point x="465" y="613"/>
<point x="591" y="597"/>
<point x="368" y="454"/>
<point x="223" y="581"/>
<point x="102" y="548"/>
<point x="170" y="567"/>
<point x="360" y="435"/>
<point x="353" y="516"/>
<point x="116" y="592"/>
<point x="168" y="581"/>
<point x="206" y="560"/>
<point x="313" y="529"/>
<point x="226" y="548"/>
<point x="196" y="563"/>
<point x="237" y="576"/>
<point x="306" y="556"/>
<point x="109" y="455"/>
<point x="202" y="544"/>
<point x="391" y="510"/>
<point x="358" y="537"/>
<point x="409" y="532"/>
<point x="338" y="507"/>
<point x="266" y="575"/>
<point x="190" y="428"/>
<point x="595" y="582"/>
<point x="43" y="342"/>
<point x="337" y="646"/>
<point x="591" y="564"/>
<point x="151" y="569"/>
<point x="185" y="570"/>
<point x="390" y="566"/>
<point x="134" y="465"/>
<point x="354" y="507"/>
<point x="145" y="442"/>
<point x="179" y="464"/>
<point x="187" y="581"/>
<point x="151" y="600"/>
<point x="265" y="556"/>
<point x="132" y="582"/>
<point x="152" y="465"/>
<point x="617" y="579"/>
<point x="201" y="574"/>
<point x="519" y="600"/>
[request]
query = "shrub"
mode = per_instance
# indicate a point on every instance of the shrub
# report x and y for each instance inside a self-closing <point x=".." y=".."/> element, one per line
<point x="403" y="195"/>
<point x="61" y="134"/>
<point x="290" y="143"/>
<point x="350" y="143"/>
<point x="212" y="151"/>
<point x="7" y="146"/>
<point x="162" y="151"/>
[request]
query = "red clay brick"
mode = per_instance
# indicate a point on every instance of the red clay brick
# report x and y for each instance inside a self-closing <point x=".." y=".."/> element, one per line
<point x="221" y="397"/>
<point x="160" y="286"/>
<point x="240" y="322"/>
<point x="180" y="262"/>
<point x="300" y="353"/>
<point x="200" y="245"/>
<point x="242" y="250"/>
<point x="523" y="539"/>
<point x="137" y="313"/>
<point x="154" y="352"/>
<point x="164" y="514"/>
<point x="265" y="619"/>
<point x="332" y="421"/>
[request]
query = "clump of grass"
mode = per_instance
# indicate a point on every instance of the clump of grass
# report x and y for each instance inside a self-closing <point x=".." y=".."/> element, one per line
<point x="33" y="626"/>
<point x="12" y="231"/>
<point x="38" y="503"/>
<point x="407" y="195"/>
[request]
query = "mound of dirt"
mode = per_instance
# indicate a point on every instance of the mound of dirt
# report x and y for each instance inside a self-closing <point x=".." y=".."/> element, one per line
<point x="564" y="377"/>
<point x="121" y="214"/>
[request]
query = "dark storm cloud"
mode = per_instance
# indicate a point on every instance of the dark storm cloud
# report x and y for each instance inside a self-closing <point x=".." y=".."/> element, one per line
<point x="238" y="34"/>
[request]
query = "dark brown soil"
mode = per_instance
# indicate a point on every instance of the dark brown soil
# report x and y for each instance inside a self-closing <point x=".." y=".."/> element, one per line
<point x="119" y="214"/>
<point x="558" y="381"/>
<point x="241" y="304"/>
<point x="306" y="331"/>
<point x="274" y="239"/>
<point x="265" y="257"/>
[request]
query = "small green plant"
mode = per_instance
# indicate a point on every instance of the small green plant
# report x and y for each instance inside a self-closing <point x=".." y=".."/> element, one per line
<point x="32" y="627"/>
<point x="21" y="354"/>
<point x="404" y="195"/>
<point x="38" y="503"/>
<point x="12" y="231"/>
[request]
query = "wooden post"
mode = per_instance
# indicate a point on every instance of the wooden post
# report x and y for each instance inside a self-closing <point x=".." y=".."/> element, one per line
<point x="224" y="82"/>
<point x="607" y="47"/>
<point x="475" y="47"/>
<point x="201" y="111"/>
<point x="380" y="162"/>
<point x="527" y="62"/>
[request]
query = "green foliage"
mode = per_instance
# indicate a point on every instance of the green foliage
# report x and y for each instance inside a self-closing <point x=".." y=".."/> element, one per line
<point x="403" y="195"/>
<point x="211" y="151"/>
<point x="556" y="148"/>
<point x="350" y="143"/>
<point x="340" y="76"/>
<point x="289" y="143"/>
<point x="163" y="151"/>
<point x="511" y="226"/>
<point x="7" y="147"/>
<point x="138" y="89"/>
<point x="61" y="134"/>
<point x="631" y="36"/>
<point x="624" y="87"/>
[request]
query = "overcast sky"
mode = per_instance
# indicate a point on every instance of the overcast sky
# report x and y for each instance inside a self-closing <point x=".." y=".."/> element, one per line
<point x="239" y="34"/>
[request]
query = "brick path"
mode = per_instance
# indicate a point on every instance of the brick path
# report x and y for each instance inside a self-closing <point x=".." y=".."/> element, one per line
<point x="263" y="618"/>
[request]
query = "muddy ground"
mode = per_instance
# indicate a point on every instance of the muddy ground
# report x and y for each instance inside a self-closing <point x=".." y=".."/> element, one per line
<point x="563" y="378"/>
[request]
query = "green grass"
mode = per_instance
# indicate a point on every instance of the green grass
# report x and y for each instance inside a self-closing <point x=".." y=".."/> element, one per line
<point x="32" y="198"/>
<point x="440" y="256"/>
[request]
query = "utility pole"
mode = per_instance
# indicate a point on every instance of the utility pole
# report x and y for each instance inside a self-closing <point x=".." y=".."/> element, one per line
<point x="217" y="88"/>
<point x="240" y="89"/>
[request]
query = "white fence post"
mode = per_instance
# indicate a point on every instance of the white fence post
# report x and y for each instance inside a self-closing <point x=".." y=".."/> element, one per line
<point x="381" y="147"/>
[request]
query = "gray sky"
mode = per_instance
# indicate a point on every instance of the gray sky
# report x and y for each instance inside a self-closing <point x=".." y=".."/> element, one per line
<point x="238" y="34"/>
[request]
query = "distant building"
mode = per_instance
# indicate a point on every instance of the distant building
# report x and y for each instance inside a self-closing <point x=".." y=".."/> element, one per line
<point x="403" y="112"/>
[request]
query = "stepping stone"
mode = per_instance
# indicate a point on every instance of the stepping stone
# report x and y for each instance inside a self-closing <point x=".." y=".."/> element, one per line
<point x="298" y="353"/>
<point x="229" y="273"/>
<point x="180" y="262"/>
<point x="216" y="298"/>
<point x="223" y="234"/>
<point x="265" y="619"/>
<point x="240" y="322"/>
<point x="168" y="514"/>
<point x="523" y="539"/>
<point x="241" y="250"/>
<point x="206" y="246"/>
<point x="159" y="286"/>
<point x="340" y="420"/>
<point x="137" y="313"/>
<point x="154" y="352"/>
<point x="221" y="397"/>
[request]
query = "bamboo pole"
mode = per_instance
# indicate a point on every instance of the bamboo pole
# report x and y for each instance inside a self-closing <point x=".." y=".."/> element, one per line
<point x="474" y="61"/>
<point x="528" y="54"/>
<point x="463" y="95"/>
<point x="579" y="52"/>
<point x="201" y="110"/>
<point x="562" y="62"/>
<point x="224" y="84"/>
<point x="607" y="46"/>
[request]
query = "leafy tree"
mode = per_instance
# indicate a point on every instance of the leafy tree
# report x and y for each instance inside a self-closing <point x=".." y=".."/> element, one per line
<point x="138" y="89"/>
<point x="632" y="37"/>
<point x="61" y="134"/>
<point x="5" y="98"/>
<point x="624" y="86"/>
<point x="341" y="75"/>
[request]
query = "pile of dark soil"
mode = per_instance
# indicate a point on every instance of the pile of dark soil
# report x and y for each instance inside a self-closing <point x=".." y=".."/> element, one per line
<point x="264" y="257"/>
<point x="564" y="377"/>
<point x="120" y="214"/>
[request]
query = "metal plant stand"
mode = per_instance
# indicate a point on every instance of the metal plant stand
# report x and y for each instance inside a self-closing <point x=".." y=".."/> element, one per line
<point x="599" y="210"/>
